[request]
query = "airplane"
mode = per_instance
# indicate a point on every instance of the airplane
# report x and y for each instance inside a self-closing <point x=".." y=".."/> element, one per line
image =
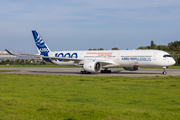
<point x="100" y="61"/>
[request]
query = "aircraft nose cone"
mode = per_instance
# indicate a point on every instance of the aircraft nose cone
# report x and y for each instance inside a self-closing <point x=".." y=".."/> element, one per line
<point x="172" y="62"/>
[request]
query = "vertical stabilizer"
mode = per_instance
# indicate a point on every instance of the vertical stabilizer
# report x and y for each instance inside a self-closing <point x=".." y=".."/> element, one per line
<point x="40" y="44"/>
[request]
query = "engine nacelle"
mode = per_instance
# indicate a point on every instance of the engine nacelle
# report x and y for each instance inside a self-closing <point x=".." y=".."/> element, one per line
<point x="92" y="66"/>
<point x="131" y="68"/>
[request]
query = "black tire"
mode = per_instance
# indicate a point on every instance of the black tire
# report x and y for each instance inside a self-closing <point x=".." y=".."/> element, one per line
<point x="164" y="73"/>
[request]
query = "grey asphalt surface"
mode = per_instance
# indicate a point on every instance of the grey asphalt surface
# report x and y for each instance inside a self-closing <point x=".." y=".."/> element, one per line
<point x="76" y="71"/>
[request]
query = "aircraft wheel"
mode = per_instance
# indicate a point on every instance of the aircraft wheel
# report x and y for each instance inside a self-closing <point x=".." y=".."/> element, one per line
<point x="164" y="72"/>
<point x="105" y="71"/>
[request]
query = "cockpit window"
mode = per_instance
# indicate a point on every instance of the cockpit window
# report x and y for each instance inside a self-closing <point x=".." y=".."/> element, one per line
<point x="167" y="56"/>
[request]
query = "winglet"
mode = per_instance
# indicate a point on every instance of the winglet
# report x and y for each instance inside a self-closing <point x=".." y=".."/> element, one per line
<point x="9" y="52"/>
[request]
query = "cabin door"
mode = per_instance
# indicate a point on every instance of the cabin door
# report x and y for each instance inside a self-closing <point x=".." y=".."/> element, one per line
<point x="118" y="56"/>
<point x="154" y="56"/>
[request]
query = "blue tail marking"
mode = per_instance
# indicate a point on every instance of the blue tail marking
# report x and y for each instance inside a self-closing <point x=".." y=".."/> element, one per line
<point x="41" y="45"/>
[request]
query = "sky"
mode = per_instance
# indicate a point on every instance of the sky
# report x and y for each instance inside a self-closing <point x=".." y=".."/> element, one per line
<point x="82" y="24"/>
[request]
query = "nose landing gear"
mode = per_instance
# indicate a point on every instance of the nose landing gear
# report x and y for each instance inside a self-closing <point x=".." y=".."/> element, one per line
<point x="164" y="72"/>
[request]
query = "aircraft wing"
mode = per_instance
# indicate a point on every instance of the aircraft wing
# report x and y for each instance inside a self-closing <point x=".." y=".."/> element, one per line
<point x="41" y="56"/>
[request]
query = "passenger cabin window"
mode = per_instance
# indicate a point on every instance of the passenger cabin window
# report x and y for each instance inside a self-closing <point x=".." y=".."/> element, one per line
<point x="167" y="56"/>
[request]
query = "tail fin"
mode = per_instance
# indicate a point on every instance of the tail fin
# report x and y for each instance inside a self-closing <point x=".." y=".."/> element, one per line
<point x="41" y="45"/>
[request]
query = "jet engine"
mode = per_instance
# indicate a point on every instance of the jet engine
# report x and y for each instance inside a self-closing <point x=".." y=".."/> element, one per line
<point x="92" y="66"/>
<point x="131" y="68"/>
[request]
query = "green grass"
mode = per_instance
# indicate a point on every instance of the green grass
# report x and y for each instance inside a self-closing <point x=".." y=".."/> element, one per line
<point x="8" y="70"/>
<point x="48" y="97"/>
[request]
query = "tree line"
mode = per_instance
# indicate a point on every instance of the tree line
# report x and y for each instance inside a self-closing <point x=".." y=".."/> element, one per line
<point x="114" y="48"/>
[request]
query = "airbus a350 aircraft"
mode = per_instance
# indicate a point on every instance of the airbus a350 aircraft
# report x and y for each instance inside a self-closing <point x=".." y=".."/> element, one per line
<point x="100" y="61"/>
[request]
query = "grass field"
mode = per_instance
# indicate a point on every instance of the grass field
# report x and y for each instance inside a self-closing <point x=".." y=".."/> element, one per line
<point x="8" y="70"/>
<point x="48" y="97"/>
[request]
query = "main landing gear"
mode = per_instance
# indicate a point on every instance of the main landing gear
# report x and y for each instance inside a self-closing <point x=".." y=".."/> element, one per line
<point x="102" y="71"/>
<point x="106" y="71"/>
<point x="85" y="72"/>
<point x="164" y="71"/>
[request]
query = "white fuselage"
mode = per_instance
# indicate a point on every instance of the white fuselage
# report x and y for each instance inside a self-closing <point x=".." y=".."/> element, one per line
<point x="117" y="58"/>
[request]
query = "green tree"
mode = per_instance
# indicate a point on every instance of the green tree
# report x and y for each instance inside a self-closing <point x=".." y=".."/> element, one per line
<point x="159" y="47"/>
<point x="115" y="48"/>
<point x="22" y="62"/>
<point x="144" y="47"/>
<point x="153" y="45"/>
<point x="96" y="49"/>
<point x="100" y="49"/>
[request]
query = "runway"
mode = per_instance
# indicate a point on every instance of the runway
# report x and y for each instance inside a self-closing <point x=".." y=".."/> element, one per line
<point x="76" y="71"/>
